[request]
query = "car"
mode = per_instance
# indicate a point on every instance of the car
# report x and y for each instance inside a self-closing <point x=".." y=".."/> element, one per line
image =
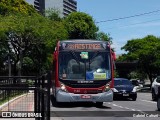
<point x="137" y="83"/>
<point x="123" y="88"/>
<point x="154" y="88"/>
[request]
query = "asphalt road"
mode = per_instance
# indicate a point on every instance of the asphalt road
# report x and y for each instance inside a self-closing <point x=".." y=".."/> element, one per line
<point x="143" y="108"/>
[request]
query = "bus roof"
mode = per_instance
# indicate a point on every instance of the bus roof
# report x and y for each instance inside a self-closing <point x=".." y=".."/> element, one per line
<point x="83" y="41"/>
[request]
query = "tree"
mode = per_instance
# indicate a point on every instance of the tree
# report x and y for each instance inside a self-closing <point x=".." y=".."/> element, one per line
<point x="53" y="14"/>
<point x="34" y="37"/>
<point x="147" y="52"/>
<point x="16" y="6"/>
<point x="103" y="36"/>
<point x="80" y="26"/>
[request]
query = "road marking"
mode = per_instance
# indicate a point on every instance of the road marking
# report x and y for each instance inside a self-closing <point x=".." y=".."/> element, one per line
<point x="141" y="111"/>
<point x="127" y="108"/>
<point x="133" y="109"/>
<point x="120" y="106"/>
<point x="114" y="105"/>
<point x="148" y="101"/>
<point x="147" y="95"/>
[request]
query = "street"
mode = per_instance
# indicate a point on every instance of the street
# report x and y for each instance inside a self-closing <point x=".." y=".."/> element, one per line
<point x="143" y="108"/>
<point x="118" y="109"/>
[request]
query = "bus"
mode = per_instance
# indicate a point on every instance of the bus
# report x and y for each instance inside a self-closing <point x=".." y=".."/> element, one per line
<point x="83" y="71"/>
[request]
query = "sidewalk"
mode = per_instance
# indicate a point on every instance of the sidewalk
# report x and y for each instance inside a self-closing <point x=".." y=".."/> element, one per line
<point x="23" y="102"/>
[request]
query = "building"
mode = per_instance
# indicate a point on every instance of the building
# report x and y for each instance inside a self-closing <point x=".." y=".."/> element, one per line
<point x="65" y="7"/>
<point x="39" y="5"/>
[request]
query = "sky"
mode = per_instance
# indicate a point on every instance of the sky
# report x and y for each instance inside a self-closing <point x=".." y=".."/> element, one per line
<point x="125" y="29"/>
<point x="30" y="1"/>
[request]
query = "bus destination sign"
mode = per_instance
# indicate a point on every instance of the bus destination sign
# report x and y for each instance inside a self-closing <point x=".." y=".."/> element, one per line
<point x="83" y="46"/>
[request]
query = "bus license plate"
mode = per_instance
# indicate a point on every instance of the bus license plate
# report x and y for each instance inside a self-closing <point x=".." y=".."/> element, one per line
<point x="85" y="96"/>
<point x="125" y="94"/>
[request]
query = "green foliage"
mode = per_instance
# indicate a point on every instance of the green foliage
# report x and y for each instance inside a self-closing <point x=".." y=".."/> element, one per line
<point x="36" y="35"/>
<point x="103" y="36"/>
<point x="137" y="74"/>
<point x="147" y="52"/>
<point x="16" y="6"/>
<point x="116" y="75"/>
<point x="80" y="26"/>
<point x="53" y="14"/>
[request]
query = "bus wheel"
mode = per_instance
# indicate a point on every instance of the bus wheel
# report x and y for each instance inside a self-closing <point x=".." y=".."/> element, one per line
<point x="99" y="104"/>
<point x="154" y="98"/>
<point x="54" y="102"/>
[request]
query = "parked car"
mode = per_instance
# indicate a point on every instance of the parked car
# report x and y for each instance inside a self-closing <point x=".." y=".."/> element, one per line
<point x="123" y="88"/>
<point x="137" y="83"/>
<point x="154" y="88"/>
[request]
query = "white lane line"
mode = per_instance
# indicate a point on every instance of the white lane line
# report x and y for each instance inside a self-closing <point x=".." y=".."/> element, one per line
<point x="148" y="101"/>
<point x="127" y="108"/>
<point x="115" y="105"/>
<point x="133" y="110"/>
<point x="120" y="107"/>
<point x="147" y="95"/>
<point x="141" y="111"/>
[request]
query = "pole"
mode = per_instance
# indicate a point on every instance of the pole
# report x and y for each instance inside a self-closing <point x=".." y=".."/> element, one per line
<point x="9" y="65"/>
<point x="20" y="63"/>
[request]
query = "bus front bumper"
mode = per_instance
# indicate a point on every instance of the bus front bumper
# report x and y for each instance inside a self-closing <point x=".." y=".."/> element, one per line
<point x="63" y="96"/>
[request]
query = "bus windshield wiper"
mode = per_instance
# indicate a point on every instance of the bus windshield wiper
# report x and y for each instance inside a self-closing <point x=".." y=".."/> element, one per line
<point x="75" y="57"/>
<point x="91" y="60"/>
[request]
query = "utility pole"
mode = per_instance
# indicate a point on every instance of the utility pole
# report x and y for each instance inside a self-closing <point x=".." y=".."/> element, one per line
<point x="20" y="63"/>
<point x="9" y="65"/>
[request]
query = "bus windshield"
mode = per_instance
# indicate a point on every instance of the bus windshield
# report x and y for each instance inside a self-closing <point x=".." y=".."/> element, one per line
<point x="84" y="65"/>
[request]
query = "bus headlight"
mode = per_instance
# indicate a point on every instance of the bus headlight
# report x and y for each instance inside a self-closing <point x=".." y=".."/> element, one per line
<point x="63" y="87"/>
<point x="107" y="88"/>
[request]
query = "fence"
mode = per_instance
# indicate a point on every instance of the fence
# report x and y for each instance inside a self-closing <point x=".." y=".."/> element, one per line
<point x="25" y="96"/>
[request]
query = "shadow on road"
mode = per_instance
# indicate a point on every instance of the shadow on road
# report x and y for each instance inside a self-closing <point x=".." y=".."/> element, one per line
<point x="122" y="99"/>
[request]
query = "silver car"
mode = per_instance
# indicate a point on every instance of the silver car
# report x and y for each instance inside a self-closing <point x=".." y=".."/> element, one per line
<point x="155" y="85"/>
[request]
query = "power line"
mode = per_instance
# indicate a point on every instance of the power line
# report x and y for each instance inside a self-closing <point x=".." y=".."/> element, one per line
<point x="149" y="21"/>
<point x="137" y="15"/>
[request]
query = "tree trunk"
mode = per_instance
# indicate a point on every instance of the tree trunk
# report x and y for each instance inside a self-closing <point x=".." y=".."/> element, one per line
<point x="151" y="79"/>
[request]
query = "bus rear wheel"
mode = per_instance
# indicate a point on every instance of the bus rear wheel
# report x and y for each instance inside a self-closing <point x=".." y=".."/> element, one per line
<point x="99" y="104"/>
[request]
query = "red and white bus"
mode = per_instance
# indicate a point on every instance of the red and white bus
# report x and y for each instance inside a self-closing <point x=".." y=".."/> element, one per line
<point x="83" y="71"/>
